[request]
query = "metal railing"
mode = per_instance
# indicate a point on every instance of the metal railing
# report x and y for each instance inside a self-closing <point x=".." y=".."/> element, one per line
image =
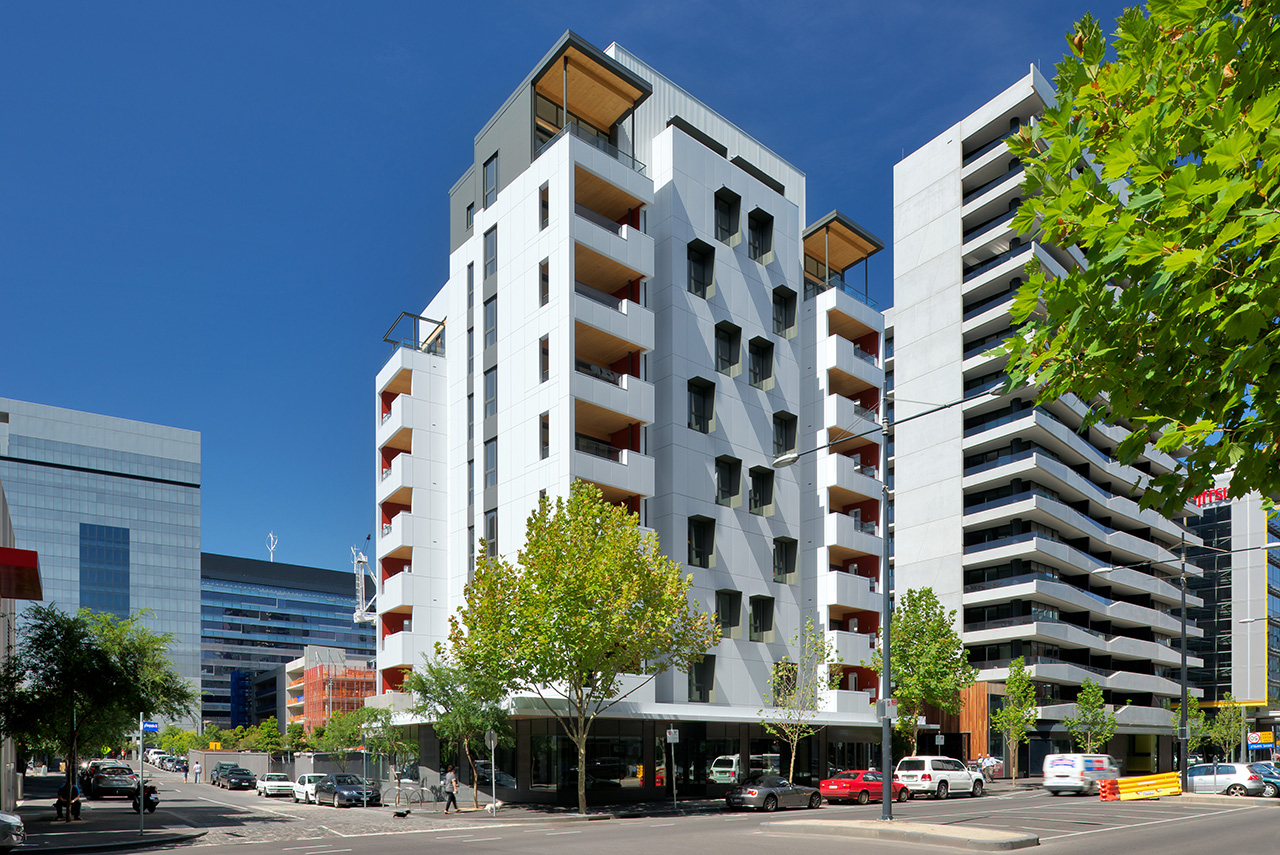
<point x="590" y="138"/>
<point x="978" y="191"/>
<point x="597" y="296"/>
<point x="599" y="372"/>
<point x="597" y="219"/>
<point x="978" y="269"/>
<point x="595" y="447"/>
<point x="983" y="228"/>
<point x="813" y="288"/>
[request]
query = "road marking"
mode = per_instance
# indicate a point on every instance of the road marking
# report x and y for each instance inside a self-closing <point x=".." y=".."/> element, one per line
<point x="661" y="824"/>
<point x="1141" y="824"/>
<point x="554" y="833"/>
<point x="736" y="818"/>
<point x="328" y="851"/>
<point x="480" y="839"/>
<point x="312" y="846"/>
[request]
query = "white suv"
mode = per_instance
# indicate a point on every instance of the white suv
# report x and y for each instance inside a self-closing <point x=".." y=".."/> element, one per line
<point x="937" y="776"/>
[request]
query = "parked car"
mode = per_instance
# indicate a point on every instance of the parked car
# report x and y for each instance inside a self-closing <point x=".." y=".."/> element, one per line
<point x="12" y="832"/>
<point x="1078" y="773"/>
<point x="346" y="790"/>
<point x="237" y="779"/>
<point x="87" y="769"/>
<point x="1234" y="779"/>
<point x="937" y="776"/>
<point x="1270" y="777"/>
<point x="727" y="768"/>
<point x="770" y="792"/>
<point x="217" y="771"/>
<point x="860" y="785"/>
<point x="115" y="779"/>
<point x="275" y="784"/>
<point x="304" y="789"/>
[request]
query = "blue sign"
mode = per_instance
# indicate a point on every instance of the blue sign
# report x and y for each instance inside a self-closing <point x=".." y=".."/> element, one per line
<point x="151" y="726"/>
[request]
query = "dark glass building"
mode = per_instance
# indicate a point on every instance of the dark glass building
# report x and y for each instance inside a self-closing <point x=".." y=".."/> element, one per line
<point x="258" y="615"/>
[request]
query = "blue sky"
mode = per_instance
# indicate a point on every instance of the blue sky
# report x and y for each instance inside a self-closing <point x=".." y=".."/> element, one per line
<point x="210" y="213"/>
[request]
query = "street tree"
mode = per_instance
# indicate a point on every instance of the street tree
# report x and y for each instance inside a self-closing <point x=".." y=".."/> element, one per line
<point x="588" y="612"/>
<point x="1018" y="716"/>
<point x="1093" y="725"/>
<point x="1172" y="329"/>
<point x="463" y="706"/>
<point x="270" y="739"/>
<point x="295" y="737"/>
<point x="213" y="735"/>
<point x="174" y="740"/>
<point x="930" y="665"/>
<point x="382" y="737"/>
<point x="341" y="735"/>
<point x="1197" y="727"/>
<point x="85" y="678"/>
<point x="1228" y="722"/>
<point x="797" y="686"/>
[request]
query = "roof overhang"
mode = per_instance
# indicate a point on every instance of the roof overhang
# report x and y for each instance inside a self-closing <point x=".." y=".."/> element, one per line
<point x="19" y="574"/>
<point x="839" y="242"/>
<point x="600" y="90"/>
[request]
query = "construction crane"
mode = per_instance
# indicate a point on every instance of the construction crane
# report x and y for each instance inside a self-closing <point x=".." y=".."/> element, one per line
<point x="366" y="609"/>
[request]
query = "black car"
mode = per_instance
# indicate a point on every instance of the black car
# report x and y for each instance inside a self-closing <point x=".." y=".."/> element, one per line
<point x="238" y="779"/>
<point x="112" y="779"/>
<point x="216" y="773"/>
<point x="346" y="790"/>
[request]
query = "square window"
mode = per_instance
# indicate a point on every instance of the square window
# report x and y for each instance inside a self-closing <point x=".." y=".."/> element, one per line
<point x="728" y="347"/>
<point x="728" y="481"/>
<point x="491" y="180"/>
<point x="760" y="356"/>
<point x="491" y="322"/>
<point x="760" y="236"/>
<point x="701" y="541"/>
<point x="784" y="434"/>
<point x="761" y="625"/>
<point x="701" y="263"/>
<point x="784" y="560"/>
<point x="702" y="680"/>
<point x="491" y="463"/>
<point x="729" y="613"/>
<point x="491" y="252"/>
<point x="702" y="396"/>
<point x="761" y="500"/>
<point x="491" y="393"/>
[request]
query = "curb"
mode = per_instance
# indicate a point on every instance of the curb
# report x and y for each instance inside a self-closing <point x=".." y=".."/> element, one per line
<point x="907" y="833"/>
<point x="115" y="845"/>
<point x="1215" y="799"/>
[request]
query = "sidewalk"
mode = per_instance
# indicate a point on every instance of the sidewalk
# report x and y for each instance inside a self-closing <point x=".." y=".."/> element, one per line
<point x="104" y="825"/>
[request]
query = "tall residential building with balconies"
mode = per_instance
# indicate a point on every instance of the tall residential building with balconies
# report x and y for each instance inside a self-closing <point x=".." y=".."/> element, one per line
<point x="634" y="300"/>
<point x="1011" y="513"/>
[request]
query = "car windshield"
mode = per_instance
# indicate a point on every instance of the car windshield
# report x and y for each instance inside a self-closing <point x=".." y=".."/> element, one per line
<point x="239" y="772"/>
<point x="275" y="776"/>
<point x="311" y="779"/>
<point x="347" y="780"/>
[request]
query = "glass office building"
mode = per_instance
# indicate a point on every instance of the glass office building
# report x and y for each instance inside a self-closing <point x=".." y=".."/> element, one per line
<point x="113" y="508"/>
<point x="258" y="615"/>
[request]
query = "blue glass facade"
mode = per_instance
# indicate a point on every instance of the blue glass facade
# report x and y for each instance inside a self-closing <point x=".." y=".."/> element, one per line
<point x="257" y="615"/>
<point x="113" y="508"/>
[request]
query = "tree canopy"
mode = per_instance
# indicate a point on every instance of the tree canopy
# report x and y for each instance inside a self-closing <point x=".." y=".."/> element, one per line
<point x="929" y="664"/>
<point x="1173" y="328"/>
<point x="589" y="600"/>
<point x="797" y="686"/>
<point x="1017" y="717"/>
<point x="1093" y="725"/>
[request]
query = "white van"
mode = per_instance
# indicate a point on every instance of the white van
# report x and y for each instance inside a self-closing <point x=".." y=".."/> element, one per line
<point x="1078" y="773"/>
<point x="726" y="769"/>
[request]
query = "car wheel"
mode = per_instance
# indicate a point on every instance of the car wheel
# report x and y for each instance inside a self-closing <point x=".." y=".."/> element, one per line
<point x="815" y="801"/>
<point x="295" y="798"/>
<point x="904" y="794"/>
<point x="770" y="803"/>
<point x="1236" y="790"/>
<point x="977" y="788"/>
<point x="1269" y="790"/>
<point x="941" y="792"/>
<point x="863" y="797"/>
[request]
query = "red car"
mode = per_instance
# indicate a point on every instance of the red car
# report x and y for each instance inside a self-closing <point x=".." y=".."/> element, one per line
<point x="859" y="785"/>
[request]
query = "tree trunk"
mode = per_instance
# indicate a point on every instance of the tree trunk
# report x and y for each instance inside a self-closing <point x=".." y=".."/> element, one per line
<point x="791" y="768"/>
<point x="582" y="771"/>
<point x="475" y="780"/>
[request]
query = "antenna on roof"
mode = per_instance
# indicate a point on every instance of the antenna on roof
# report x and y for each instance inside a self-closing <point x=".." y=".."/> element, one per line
<point x="272" y="540"/>
<point x="365" y="609"/>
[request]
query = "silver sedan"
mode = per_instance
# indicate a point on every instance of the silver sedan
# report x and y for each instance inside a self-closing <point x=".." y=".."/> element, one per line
<point x="770" y="792"/>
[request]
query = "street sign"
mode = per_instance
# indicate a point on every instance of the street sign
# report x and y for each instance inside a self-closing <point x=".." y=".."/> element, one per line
<point x="151" y="726"/>
<point x="939" y="739"/>
<point x="887" y="708"/>
<point x="491" y="739"/>
<point x="1262" y="739"/>
<point x="673" y="736"/>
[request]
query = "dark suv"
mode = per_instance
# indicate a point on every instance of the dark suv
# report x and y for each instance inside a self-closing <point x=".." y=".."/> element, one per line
<point x="219" y="770"/>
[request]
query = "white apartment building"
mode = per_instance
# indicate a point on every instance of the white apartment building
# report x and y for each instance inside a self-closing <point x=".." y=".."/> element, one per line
<point x="1015" y="517"/>
<point x="634" y="300"/>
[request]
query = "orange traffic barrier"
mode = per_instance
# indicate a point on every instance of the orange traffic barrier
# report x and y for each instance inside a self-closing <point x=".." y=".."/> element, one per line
<point x="1140" y="787"/>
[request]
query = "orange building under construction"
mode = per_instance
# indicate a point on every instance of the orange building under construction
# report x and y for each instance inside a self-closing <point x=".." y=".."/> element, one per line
<point x="323" y="682"/>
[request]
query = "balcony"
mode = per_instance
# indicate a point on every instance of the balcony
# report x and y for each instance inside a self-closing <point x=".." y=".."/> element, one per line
<point x="848" y="479"/>
<point x="1064" y="634"/>
<point x="849" y="702"/>
<point x="402" y="650"/>
<point x="402" y="592"/>
<point x="396" y="482"/>
<point x="1050" y="590"/>
<point x="853" y="648"/>
<point x="846" y="537"/>
<point x="846" y="417"/>
<point x="395" y="428"/>
<point x="619" y="472"/>
<point x="814" y="287"/>
<point x="850" y="369"/>
<point x="606" y="401"/>
<point x="395" y="538"/>
<point x="592" y="139"/>
<point x="848" y="590"/>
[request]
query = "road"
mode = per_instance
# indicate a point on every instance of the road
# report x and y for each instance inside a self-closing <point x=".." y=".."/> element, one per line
<point x="259" y="826"/>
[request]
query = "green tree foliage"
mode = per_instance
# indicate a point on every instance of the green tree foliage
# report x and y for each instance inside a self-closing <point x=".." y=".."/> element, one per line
<point x="1224" y="729"/>
<point x="382" y="737"/>
<point x="295" y="737"/>
<point x="269" y="737"/>
<point x="930" y="666"/>
<point x="590" y="598"/>
<point x="463" y="707"/>
<point x="342" y="733"/>
<point x="794" y="696"/>
<point x="1018" y="715"/>
<point x="1093" y="725"/>
<point x="174" y="740"/>
<point x="83" y="679"/>
<point x="213" y="734"/>
<point x="1183" y="216"/>
<point x="1197" y="726"/>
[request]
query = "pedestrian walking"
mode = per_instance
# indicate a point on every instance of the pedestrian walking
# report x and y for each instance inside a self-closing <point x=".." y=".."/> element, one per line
<point x="451" y="790"/>
<point x="184" y="773"/>
<point x="988" y="766"/>
<point x="195" y="770"/>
